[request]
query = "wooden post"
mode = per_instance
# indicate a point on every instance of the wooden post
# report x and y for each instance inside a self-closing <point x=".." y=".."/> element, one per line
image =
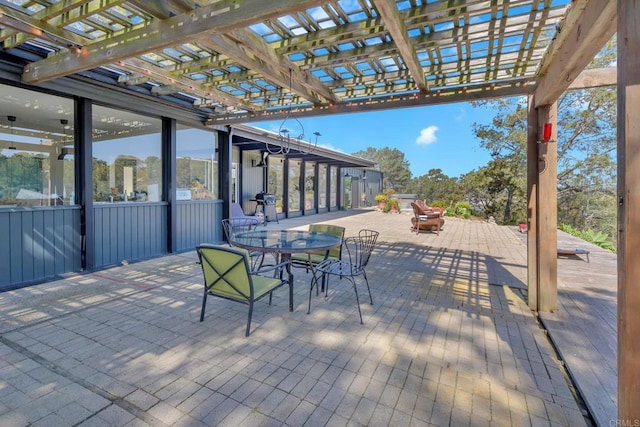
<point x="628" y="212"/>
<point x="532" y="204"/>
<point x="547" y="213"/>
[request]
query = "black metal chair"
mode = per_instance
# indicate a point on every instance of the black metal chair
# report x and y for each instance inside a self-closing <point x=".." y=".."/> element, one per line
<point x="235" y="225"/>
<point x="356" y="252"/>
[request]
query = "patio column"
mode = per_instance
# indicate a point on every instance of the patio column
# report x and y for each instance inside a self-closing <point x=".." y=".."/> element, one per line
<point x="169" y="180"/>
<point x="542" y="156"/>
<point x="628" y="212"/>
<point x="224" y="172"/>
<point x="83" y="147"/>
<point x="532" y="204"/>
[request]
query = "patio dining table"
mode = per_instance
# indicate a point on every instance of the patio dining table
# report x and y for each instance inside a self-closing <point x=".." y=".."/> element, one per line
<point x="284" y="243"/>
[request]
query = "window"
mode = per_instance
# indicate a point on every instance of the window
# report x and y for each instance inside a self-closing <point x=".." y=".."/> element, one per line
<point x="333" y="190"/>
<point x="294" y="185"/>
<point x="127" y="156"/>
<point x="322" y="186"/>
<point x="36" y="149"/>
<point x="196" y="165"/>
<point x="276" y="180"/>
<point x="309" y="186"/>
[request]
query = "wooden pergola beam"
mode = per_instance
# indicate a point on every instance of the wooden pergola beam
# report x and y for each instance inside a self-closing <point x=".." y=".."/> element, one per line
<point x="376" y="104"/>
<point x="306" y="84"/>
<point x="596" y="77"/>
<point x="398" y="32"/>
<point x="219" y="17"/>
<point x="145" y="68"/>
<point x="588" y="27"/>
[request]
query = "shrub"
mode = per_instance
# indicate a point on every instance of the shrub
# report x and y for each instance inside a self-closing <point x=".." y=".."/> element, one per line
<point x="381" y="198"/>
<point x="596" y="237"/>
<point x="394" y="204"/>
<point x="463" y="208"/>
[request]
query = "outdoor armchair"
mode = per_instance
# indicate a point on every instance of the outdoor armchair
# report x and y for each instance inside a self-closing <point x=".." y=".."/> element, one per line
<point x="356" y="252"/>
<point x="310" y="260"/>
<point x="227" y="275"/>
<point x="426" y="219"/>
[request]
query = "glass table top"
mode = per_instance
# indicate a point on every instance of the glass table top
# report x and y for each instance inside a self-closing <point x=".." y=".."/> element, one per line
<point x="285" y="241"/>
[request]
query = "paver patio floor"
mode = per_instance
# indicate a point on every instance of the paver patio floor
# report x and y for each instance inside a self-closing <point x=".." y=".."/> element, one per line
<point x="449" y="340"/>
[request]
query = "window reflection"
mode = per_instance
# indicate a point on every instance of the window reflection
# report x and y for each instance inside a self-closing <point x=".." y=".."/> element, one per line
<point x="276" y="180"/>
<point x="196" y="165"/>
<point x="294" y="185"/>
<point x="309" y="185"/>
<point x="127" y="157"/>
<point x="36" y="149"/>
<point x="333" y="198"/>
<point x="322" y="186"/>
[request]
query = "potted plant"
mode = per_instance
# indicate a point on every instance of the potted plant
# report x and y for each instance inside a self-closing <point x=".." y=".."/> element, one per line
<point x="382" y="200"/>
<point x="394" y="205"/>
<point x="522" y="226"/>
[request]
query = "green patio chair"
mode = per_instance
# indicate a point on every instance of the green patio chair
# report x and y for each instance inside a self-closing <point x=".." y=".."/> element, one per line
<point x="227" y="275"/>
<point x="310" y="260"/>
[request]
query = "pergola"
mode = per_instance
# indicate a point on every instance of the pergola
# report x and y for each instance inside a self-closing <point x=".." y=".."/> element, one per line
<point x="224" y="62"/>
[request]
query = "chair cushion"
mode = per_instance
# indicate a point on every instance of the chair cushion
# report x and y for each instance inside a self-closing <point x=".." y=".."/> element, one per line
<point x="313" y="258"/>
<point x="263" y="285"/>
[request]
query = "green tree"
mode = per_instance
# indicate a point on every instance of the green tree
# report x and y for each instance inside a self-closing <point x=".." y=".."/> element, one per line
<point x="585" y="145"/>
<point x="475" y="189"/>
<point x="392" y="164"/>
<point x="435" y="185"/>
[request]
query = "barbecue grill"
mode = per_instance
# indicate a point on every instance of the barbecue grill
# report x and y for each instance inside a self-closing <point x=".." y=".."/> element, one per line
<point x="266" y="199"/>
<point x="268" y="204"/>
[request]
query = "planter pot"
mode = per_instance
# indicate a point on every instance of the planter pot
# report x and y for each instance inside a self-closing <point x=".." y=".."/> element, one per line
<point x="381" y="205"/>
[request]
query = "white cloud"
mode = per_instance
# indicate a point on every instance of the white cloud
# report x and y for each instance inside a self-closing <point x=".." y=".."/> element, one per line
<point x="427" y="135"/>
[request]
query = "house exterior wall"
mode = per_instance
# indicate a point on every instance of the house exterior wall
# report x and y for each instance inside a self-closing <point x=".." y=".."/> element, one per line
<point x="126" y="212"/>
<point x="38" y="243"/>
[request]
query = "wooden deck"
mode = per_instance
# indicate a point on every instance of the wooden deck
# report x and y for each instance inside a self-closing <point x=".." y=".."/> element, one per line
<point x="584" y="329"/>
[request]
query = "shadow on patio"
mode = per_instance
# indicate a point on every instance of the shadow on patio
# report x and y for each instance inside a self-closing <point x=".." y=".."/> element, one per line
<point x="448" y="341"/>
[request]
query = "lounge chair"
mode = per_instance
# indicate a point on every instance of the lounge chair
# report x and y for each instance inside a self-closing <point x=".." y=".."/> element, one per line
<point x="573" y="252"/>
<point x="237" y="212"/>
<point x="426" y="219"/>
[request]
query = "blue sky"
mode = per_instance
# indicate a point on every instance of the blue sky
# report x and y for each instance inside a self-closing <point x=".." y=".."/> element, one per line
<point x="430" y="137"/>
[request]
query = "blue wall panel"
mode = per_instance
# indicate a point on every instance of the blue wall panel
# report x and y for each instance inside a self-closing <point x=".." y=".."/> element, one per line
<point x="129" y="231"/>
<point x="198" y="222"/>
<point x="37" y="244"/>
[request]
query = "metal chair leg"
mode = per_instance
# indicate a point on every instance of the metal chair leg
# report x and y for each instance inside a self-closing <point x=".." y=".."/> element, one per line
<point x="368" y="288"/>
<point x="357" y="299"/>
<point x="204" y="304"/>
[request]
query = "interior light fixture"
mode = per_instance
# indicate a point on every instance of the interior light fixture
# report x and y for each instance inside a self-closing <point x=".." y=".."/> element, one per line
<point x="292" y="138"/>
<point x="263" y="161"/>
<point x="63" y="151"/>
<point x="11" y="119"/>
